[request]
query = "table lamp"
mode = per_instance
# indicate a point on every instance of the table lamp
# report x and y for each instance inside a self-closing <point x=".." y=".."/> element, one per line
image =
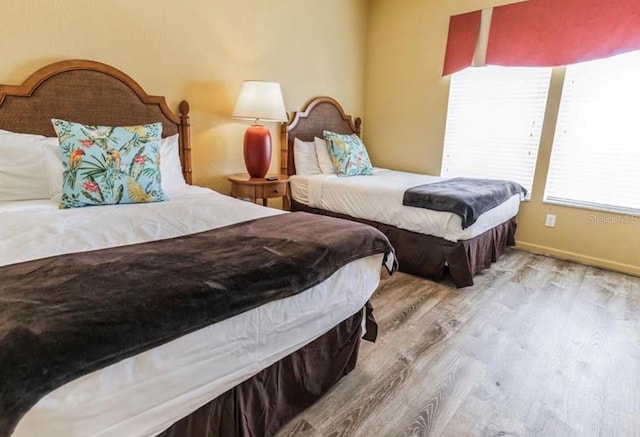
<point x="259" y="101"/>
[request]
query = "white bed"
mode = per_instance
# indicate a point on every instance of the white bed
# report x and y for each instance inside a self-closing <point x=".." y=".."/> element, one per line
<point x="431" y="244"/>
<point x="379" y="198"/>
<point x="149" y="392"/>
<point x="145" y="394"/>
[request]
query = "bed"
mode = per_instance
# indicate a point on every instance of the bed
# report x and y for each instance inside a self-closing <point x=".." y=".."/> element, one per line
<point x="428" y="243"/>
<point x="246" y="374"/>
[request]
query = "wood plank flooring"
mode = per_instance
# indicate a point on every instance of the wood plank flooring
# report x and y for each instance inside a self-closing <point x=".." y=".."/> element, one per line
<point x="538" y="346"/>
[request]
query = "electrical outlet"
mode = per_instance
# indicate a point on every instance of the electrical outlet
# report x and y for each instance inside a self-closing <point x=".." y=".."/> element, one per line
<point x="550" y="222"/>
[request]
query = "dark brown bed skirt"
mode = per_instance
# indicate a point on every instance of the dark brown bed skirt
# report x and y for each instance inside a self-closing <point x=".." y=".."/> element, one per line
<point x="263" y="404"/>
<point x="429" y="257"/>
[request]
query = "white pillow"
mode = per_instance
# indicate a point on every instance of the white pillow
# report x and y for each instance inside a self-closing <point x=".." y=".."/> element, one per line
<point x="53" y="161"/>
<point x="23" y="170"/>
<point x="6" y="135"/>
<point x="324" y="159"/>
<point x="170" y="168"/>
<point x="305" y="158"/>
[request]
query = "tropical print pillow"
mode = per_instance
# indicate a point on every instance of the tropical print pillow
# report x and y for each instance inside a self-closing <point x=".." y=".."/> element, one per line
<point x="107" y="165"/>
<point x="348" y="154"/>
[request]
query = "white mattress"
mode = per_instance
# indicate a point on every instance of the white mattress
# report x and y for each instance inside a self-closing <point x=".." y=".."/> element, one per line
<point x="379" y="198"/>
<point x="145" y="394"/>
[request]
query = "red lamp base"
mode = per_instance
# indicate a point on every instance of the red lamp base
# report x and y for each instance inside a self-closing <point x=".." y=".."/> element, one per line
<point x="257" y="150"/>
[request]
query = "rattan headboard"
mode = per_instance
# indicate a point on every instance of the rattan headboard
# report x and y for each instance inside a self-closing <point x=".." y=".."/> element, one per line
<point x="92" y="93"/>
<point x="318" y="115"/>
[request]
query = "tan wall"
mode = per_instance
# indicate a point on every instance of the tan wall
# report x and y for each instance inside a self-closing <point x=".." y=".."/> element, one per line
<point x="200" y="50"/>
<point x="406" y="105"/>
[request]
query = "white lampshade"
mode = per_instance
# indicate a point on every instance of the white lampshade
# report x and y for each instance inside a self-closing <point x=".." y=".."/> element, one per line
<point x="260" y="100"/>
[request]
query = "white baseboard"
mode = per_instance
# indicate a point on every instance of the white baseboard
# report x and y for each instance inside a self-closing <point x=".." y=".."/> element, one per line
<point x="583" y="259"/>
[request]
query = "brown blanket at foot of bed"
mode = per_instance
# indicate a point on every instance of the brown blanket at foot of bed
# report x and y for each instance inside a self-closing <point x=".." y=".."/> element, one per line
<point x="65" y="316"/>
<point x="468" y="198"/>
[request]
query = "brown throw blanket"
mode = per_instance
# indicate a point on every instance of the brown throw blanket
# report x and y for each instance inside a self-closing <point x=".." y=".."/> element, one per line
<point x="468" y="198"/>
<point x="65" y="316"/>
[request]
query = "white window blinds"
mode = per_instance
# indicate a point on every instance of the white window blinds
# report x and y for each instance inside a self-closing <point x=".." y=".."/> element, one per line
<point x="494" y="122"/>
<point x="595" y="162"/>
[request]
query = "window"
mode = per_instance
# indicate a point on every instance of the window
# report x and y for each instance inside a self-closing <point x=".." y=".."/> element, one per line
<point x="494" y="122"/>
<point x="595" y="162"/>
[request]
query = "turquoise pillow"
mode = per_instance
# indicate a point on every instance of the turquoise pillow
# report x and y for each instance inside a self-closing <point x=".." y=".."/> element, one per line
<point x="348" y="154"/>
<point x="108" y="165"/>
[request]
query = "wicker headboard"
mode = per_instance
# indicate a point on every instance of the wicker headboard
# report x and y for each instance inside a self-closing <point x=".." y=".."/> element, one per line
<point x="91" y="93"/>
<point x="318" y="115"/>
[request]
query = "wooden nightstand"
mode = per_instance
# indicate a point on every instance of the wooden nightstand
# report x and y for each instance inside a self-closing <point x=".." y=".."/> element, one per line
<point x="245" y="187"/>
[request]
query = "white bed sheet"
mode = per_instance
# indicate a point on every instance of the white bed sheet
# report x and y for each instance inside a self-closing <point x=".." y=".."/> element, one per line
<point x="379" y="198"/>
<point x="37" y="228"/>
<point x="145" y="394"/>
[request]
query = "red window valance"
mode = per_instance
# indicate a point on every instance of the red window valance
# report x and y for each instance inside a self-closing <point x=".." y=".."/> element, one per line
<point x="461" y="43"/>
<point x="561" y="32"/>
<point x="546" y="33"/>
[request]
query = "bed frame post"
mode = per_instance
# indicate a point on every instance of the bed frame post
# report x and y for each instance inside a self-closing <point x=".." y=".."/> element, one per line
<point x="358" y="124"/>
<point x="185" y="142"/>
<point x="284" y="147"/>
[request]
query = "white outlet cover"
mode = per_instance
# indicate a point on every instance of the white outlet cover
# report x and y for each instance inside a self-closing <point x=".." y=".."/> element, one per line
<point x="550" y="222"/>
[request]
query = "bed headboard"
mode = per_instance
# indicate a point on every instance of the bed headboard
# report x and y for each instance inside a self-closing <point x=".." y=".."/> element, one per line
<point x="89" y="92"/>
<point x="318" y="115"/>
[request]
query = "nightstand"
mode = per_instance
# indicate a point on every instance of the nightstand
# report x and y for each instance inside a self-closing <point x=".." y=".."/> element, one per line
<point x="245" y="187"/>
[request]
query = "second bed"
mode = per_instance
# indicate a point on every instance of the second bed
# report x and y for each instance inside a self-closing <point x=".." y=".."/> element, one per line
<point x="428" y="243"/>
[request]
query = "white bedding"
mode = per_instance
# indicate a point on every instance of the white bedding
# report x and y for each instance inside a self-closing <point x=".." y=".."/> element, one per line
<point x="145" y="394"/>
<point x="379" y="198"/>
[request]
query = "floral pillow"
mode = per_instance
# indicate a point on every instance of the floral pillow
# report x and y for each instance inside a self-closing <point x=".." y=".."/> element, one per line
<point x="348" y="154"/>
<point x="107" y="165"/>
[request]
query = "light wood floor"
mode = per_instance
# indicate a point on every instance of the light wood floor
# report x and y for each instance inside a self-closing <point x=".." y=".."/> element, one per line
<point x="538" y="346"/>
